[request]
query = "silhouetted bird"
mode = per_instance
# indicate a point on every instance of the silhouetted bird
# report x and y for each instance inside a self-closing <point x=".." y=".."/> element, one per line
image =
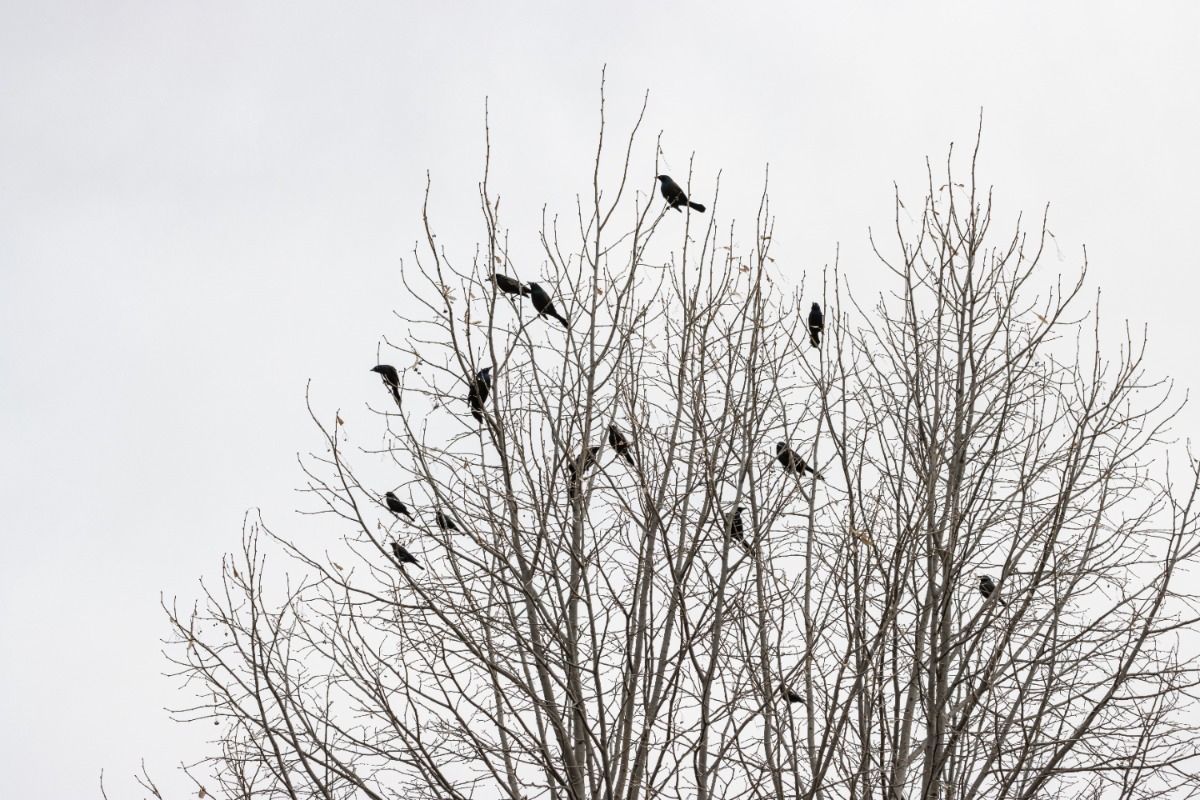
<point x="792" y="462"/>
<point x="986" y="588"/>
<point x="786" y="693"/>
<point x="403" y="556"/>
<point x="620" y="442"/>
<point x="481" y="387"/>
<point x="391" y="379"/>
<point x="395" y="506"/>
<point x="445" y="522"/>
<point x="544" y="305"/>
<point x="674" y="195"/>
<point x="508" y="285"/>
<point x="816" y="325"/>
<point x="579" y="466"/>
<point x="734" y="527"/>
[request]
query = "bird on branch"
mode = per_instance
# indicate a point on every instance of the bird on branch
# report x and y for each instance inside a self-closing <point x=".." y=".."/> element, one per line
<point x="481" y="387"/>
<point x="620" y="442"/>
<point x="579" y="466"/>
<point x="734" y="528"/>
<point x="674" y="195"/>
<point x="403" y="556"/>
<point x="788" y="694"/>
<point x="391" y="379"/>
<point x="816" y="325"/>
<point x="445" y="522"/>
<point x="987" y="588"/>
<point x="508" y="285"/>
<point x="544" y="305"/>
<point x="395" y="505"/>
<point x="792" y="462"/>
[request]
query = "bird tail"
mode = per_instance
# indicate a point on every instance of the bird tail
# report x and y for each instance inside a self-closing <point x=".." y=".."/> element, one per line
<point x="396" y="395"/>
<point x="562" y="319"/>
<point x="524" y="290"/>
<point x="815" y="338"/>
<point x="697" y="207"/>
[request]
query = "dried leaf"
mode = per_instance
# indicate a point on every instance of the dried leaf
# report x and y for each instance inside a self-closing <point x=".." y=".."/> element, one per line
<point x="339" y="421"/>
<point x="863" y="537"/>
<point x="336" y="565"/>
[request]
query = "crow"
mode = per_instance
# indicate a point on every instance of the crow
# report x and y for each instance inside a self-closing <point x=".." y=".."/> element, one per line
<point x="481" y="387"/>
<point x="620" y="442"/>
<point x="734" y="528"/>
<point x="445" y="522"/>
<point x="403" y="556"/>
<point x="792" y="462"/>
<point x="675" y="196"/>
<point x="579" y="466"/>
<point x="788" y="694"/>
<point x="816" y="325"/>
<point x="395" y="506"/>
<point x="987" y="588"/>
<point x="508" y="285"/>
<point x="544" y="305"/>
<point x="391" y="379"/>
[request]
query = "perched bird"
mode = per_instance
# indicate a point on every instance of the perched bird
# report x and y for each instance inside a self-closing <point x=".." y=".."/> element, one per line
<point x="445" y="522"/>
<point x="734" y="528"/>
<point x="987" y="588"/>
<point x="579" y="466"/>
<point x="396" y="506"/>
<point x="508" y="285"/>
<point x="403" y="556"/>
<point x="620" y="442"/>
<point x="391" y="379"/>
<point x="816" y="325"/>
<point x="792" y="462"/>
<point x="481" y="387"/>
<point x="674" y="195"/>
<point x="544" y="305"/>
<point x="786" y="693"/>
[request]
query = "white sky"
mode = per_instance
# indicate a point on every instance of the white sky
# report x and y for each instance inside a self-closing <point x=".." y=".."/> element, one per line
<point x="203" y="206"/>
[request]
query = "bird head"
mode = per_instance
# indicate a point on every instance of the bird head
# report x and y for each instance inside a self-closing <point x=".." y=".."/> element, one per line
<point x="739" y="509"/>
<point x="779" y="448"/>
<point x="390" y="495"/>
<point x="486" y="374"/>
<point x="595" y="449"/>
<point x="379" y="369"/>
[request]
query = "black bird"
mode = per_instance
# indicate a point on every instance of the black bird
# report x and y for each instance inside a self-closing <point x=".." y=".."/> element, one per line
<point x="816" y="325"/>
<point x="987" y="588"/>
<point x="734" y="528"/>
<point x="391" y="379"/>
<point x="544" y="305"/>
<point x="674" y="195"/>
<point x="620" y="442"/>
<point x="792" y="462"/>
<point x="396" y="506"/>
<point x="579" y="466"/>
<point x="445" y="522"/>
<point x="403" y="556"/>
<point x="481" y="387"/>
<point x="508" y="285"/>
<point x="788" y="694"/>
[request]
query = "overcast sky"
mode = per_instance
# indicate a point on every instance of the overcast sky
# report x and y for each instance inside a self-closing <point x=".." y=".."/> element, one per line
<point x="203" y="207"/>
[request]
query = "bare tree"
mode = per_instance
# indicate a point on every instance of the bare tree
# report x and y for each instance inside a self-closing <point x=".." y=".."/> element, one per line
<point x="621" y="592"/>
